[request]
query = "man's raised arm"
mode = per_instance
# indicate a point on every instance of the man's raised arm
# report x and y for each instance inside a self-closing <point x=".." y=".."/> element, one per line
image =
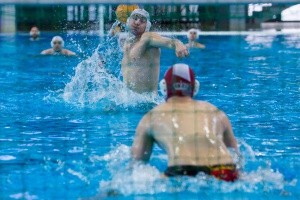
<point x="156" y="40"/>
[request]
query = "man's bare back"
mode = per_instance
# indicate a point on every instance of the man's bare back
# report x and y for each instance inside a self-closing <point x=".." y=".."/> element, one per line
<point x="191" y="134"/>
<point x="195" y="134"/>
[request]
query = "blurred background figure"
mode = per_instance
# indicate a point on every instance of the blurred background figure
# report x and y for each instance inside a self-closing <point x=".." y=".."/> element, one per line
<point x="122" y="13"/>
<point x="57" y="44"/>
<point x="34" y="33"/>
<point x="193" y="35"/>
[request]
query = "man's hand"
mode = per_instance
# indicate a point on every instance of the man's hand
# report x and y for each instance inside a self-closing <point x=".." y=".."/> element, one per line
<point x="180" y="49"/>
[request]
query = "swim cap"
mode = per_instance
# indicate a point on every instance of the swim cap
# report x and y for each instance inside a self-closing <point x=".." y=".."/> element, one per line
<point x="123" y="12"/>
<point x="179" y="80"/>
<point x="57" y="38"/>
<point x="193" y="30"/>
<point x="143" y="13"/>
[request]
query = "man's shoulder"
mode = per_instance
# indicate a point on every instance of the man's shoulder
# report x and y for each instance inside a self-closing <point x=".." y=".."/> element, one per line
<point x="206" y="105"/>
<point x="48" y="51"/>
<point x="150" y="35"/>
<point x="67" y="52"/>
<point x="159" y="108"/>
<point x="200" y="45"/>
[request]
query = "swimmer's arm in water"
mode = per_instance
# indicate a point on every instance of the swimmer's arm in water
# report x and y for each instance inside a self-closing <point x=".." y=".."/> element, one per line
<point x="228" y="136"/>
<point x="143" y="142"/>
<point x="202" y="46"/>
<point x="156" y="40"/>
<point x="196" y="46"/>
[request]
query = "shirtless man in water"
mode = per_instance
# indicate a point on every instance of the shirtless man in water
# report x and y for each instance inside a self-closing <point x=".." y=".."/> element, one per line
<point x="141" y="60"/>
<point x="57" y="44"/>
<point x="195" y="134"/>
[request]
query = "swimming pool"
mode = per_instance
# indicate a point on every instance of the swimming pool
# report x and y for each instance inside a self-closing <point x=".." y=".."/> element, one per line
<point x="67" y="126"/>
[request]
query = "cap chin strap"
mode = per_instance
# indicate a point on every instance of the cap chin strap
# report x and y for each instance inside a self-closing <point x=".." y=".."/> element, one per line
<point x="163" y="87"/>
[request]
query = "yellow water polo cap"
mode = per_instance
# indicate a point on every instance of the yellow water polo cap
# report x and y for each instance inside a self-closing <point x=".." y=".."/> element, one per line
<point x="124" y="11"/>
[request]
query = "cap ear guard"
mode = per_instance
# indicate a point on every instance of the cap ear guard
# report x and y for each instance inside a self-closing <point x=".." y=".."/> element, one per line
<point x="196" y="87"/>
<point x="163" y="87"/>
<point x="148" y="26"/>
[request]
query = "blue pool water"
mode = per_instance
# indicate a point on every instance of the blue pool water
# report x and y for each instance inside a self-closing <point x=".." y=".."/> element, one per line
<point x="67" y="126"/>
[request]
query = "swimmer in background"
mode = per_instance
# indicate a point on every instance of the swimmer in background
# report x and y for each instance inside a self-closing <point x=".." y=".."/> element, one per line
<point x="34" y="33"/>
<point x="193" y="35"/>
<point x="141" y="60"/>
<point x="195" y="134"/>
<point x="122" y="13"/>
<point x="57" y="44"/>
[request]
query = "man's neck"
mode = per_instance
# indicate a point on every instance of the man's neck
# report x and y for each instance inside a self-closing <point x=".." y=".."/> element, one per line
<point x="192" y="41"/>
<point x="180" y="99"/>
<point x="137" y="37"/>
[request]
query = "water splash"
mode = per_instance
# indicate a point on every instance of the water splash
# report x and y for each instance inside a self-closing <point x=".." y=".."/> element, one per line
<point x="144" y="179"/>
<point x="97" y="82"/>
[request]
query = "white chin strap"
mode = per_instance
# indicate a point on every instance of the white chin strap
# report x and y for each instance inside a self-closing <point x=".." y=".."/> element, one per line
<point x="163" y="87"/>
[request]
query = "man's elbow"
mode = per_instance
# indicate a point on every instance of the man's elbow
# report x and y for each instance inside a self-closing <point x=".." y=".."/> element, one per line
<point x="144" y="157"/>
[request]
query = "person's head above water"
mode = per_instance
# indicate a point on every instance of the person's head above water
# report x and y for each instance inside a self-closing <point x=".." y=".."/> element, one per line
<point x="34" y="32"/>
<point x="139" y="22"/>
<point x="124" y="11"/>
<point x="193" y="34"/>
<point x="179" y="80"/>
<point x="57" y="43"/>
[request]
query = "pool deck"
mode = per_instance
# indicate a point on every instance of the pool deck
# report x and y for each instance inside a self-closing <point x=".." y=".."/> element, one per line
<point x="198" y="2"/>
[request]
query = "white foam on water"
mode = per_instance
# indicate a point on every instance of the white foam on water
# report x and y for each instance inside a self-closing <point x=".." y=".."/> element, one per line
<point x="25" y="196"/>
<point x="94" y="84"/>
<point x="137" y="179"/>
<point x="7" y="157"/>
